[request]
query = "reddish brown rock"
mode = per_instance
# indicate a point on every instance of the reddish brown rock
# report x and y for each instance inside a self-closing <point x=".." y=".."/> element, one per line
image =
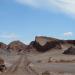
<point x="70" y="51"/>
<point x="3" y="46"/>
<point x="43" y="44"/>
<point x="30" y="48"/>
<point x="17" y="46"/>
<point x="70" y="42"/>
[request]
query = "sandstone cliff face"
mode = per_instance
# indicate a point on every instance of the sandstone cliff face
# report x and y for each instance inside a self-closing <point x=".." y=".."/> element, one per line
<point x="17" y="46"/>
<point x="43" y="44"/>
<point x="3" y="46"/>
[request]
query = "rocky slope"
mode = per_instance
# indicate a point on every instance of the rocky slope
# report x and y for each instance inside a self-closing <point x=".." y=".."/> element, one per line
<point x="16" y="46"/>
<point x="3" y="46"/>
<point x="70" y="41"/>
<point x="70" y="51"/>
<point x="43" y="44"/>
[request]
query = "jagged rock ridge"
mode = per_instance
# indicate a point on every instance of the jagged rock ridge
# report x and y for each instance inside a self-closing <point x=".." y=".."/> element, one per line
<point x="43" y="44"/>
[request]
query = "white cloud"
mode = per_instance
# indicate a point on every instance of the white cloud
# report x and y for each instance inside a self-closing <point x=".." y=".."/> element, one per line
<point x="68" y="34"/>
<point x="67" y="6"/>
<point x="9" y="36"/>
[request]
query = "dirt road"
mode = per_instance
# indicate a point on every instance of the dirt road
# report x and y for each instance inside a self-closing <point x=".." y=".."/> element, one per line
<point x="56" y="67"/>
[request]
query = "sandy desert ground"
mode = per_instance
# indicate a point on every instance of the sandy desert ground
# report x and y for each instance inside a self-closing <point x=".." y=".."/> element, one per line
<point x="52" y="61"/>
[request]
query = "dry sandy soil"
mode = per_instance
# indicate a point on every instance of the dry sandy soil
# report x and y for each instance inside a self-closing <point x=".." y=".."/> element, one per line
<point x="52" y="61"/>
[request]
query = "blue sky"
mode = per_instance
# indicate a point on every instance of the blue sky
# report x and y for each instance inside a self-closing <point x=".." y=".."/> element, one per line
<point x="25" y="19"/>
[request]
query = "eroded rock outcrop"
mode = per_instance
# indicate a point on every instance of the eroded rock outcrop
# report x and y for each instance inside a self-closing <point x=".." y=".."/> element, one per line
<point x="2" y="65"/>
<point x="31" y="48"/>
<point x="70" y="42"/>
<point x="17" y="46"/>
<point x="3" y="46"/>
<point x="43" y="44"/>
<point x="70" y="51"/>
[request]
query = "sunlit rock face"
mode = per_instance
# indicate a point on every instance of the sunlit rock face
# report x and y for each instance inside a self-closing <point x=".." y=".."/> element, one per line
<point x="43" y="44"/>
<point x="41" y="40"/>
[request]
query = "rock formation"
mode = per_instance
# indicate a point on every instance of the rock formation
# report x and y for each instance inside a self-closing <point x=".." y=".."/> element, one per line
<point x="43" y="44"/>
<point x="70" y="51"/>
<point x="2" y="65"/>
<point x="71" y="41"/>
<point x="30" y="47"/>
<point x="17" y="46"/>
<point x="3" y="46"/>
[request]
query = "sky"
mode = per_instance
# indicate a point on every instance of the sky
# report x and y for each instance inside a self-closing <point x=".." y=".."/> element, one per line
<point x="24" y="19"/>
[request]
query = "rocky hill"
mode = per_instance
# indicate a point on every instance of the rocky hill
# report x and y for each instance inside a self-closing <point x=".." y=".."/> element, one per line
<point x="3" y="46"/>
<point x="70" y="51"/>
<point x="43" y="44"/>
<point x="16" y="46"/>
<point x="70" y="41"/>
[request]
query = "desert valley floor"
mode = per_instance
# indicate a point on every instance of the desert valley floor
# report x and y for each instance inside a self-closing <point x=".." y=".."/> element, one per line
<point x="51" y="62"/>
